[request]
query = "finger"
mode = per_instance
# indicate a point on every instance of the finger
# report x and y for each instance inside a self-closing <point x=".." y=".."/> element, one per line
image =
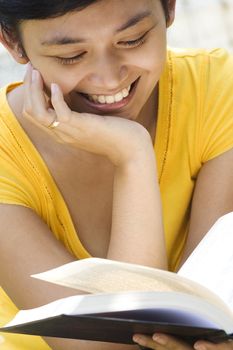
<point x="169" y="342"/>
<point x="27" y="77"/>
<point x="34" y="107"/>
<point x="204" y="345"/>
<point x="144" y="341"/>
<point x="41" y="111"/>
<point x="27" y="106"/>
<point x="61" y="108"/>
<point x="80" y="125"/>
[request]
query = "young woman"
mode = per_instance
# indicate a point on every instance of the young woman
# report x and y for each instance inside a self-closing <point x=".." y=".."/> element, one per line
<point x="106" y="122"/>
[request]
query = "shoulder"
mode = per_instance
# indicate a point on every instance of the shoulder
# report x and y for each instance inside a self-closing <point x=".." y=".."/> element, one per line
<point x="9" y="126"/>
<point x="6" y="112"/>
<point x="202" y="85"/>
<point x="6" y="89"/>
<point x="207" y="66"/>
<point x="14" y="154"/>
<point x="215" y="55"/>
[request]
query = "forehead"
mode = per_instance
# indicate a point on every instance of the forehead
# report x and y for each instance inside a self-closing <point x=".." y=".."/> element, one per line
<point x="103" y="16"/>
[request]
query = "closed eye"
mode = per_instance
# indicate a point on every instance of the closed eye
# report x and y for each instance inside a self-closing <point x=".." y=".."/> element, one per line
<point x="134" y="43"/>
<point x="129" y="43"/>
<point x="70" y="60"/>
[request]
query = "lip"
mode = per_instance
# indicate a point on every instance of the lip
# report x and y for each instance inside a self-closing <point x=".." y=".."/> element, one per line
<point x="104" y="107"/>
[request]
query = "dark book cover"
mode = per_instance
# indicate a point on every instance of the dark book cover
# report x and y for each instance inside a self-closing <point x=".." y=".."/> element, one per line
<point x="116" y="330"/>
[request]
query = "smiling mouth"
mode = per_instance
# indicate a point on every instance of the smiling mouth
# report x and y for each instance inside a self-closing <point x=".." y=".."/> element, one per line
<point x="111" y="100"/>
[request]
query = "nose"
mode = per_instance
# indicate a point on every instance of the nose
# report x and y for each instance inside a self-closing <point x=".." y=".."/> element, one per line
<point x="107" y="73"/>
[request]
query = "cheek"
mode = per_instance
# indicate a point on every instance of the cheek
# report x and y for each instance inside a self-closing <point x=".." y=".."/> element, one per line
<point x="156" y="60"/>
<point x="66" y="77"/>
<point x="151" y="58"/>
<point x="151" y="65"/>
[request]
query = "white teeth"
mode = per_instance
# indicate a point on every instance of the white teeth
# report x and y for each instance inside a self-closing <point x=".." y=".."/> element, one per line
<point x="118" y="97"/>
<point x="125" y="92"/>
<point x="103" y="99"/>
<point x="94" y="98"/>
<point x="109" y="99"/>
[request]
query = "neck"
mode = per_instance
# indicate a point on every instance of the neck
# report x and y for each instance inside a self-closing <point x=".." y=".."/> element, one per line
<point x="148" y="115"/>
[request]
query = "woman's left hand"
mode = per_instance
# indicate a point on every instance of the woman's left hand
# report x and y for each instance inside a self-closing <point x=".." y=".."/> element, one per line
<point x="165" y="342"/>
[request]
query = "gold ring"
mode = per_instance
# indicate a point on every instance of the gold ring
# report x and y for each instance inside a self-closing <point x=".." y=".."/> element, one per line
<point x="54" y="124"/>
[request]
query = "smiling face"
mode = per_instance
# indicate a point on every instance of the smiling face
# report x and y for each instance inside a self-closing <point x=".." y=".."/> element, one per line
<point x="107" y="58"/>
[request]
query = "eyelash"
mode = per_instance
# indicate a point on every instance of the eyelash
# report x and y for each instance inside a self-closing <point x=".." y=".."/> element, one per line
<point x="136" y="42"/>
<point x="75" y="59"/>
<point x="70" y="60"/>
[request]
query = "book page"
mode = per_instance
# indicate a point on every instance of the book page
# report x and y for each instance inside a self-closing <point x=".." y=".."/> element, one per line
<point x="211" y="263"/>
<point x="95" y="275"/>
<point x="180" y="307"/>
<point x="172" y="308"/>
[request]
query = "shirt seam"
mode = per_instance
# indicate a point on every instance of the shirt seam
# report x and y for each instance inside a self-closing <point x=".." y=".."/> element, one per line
<point x="169" y="117"/>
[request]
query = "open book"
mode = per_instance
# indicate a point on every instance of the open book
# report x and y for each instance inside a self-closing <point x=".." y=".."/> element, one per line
<point x="128" y="298"/>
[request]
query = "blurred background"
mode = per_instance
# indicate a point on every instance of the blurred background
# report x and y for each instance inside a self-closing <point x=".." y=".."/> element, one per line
<point x="199" y="23"/>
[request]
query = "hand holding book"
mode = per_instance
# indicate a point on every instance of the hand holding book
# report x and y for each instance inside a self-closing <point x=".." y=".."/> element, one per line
<point x="166" y="342"/>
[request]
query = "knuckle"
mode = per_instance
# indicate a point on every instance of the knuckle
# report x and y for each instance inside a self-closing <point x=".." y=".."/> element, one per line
<point x="42" y="117"/>
<point x="67" y="117"/>
<point x="27" y="110"/>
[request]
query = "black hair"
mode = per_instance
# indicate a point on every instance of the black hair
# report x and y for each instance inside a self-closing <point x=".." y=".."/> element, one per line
<point x="13" y="12"/>
<point x="165" y="8"/>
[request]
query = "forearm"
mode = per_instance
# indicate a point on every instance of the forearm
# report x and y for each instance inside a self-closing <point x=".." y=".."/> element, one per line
<point x="137" y="230"/>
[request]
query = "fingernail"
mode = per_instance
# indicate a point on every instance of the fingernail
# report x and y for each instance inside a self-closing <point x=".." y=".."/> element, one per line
<point x="54" y="88"/>
<point x="139" y="339"/>
<point x="159" y="339"/>
<point x="136" y="338"/>
<point x="35" y="75"/>
<point x="29" y="67"/>
<point x="199" y="347"/>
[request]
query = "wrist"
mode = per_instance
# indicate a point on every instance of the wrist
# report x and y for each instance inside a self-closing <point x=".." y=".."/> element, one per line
<point x="138" y="150"/>
<point x="142" y="159"/>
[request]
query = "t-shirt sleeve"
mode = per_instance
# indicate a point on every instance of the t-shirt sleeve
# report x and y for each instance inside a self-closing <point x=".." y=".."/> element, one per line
<point x="15" y="186"/>
<point x="217" y="123"/>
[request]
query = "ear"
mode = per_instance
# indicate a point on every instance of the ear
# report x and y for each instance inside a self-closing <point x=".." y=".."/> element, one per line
<point x="13" y="48"/>
<point x="171" y="12"/>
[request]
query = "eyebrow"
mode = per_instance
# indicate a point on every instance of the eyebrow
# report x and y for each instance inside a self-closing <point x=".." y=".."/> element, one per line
<point x="65" y="40"/>
<point x="135" y="20"/>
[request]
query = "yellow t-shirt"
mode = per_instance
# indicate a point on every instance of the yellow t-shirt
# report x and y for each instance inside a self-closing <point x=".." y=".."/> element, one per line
<point x="195" y="124"/>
